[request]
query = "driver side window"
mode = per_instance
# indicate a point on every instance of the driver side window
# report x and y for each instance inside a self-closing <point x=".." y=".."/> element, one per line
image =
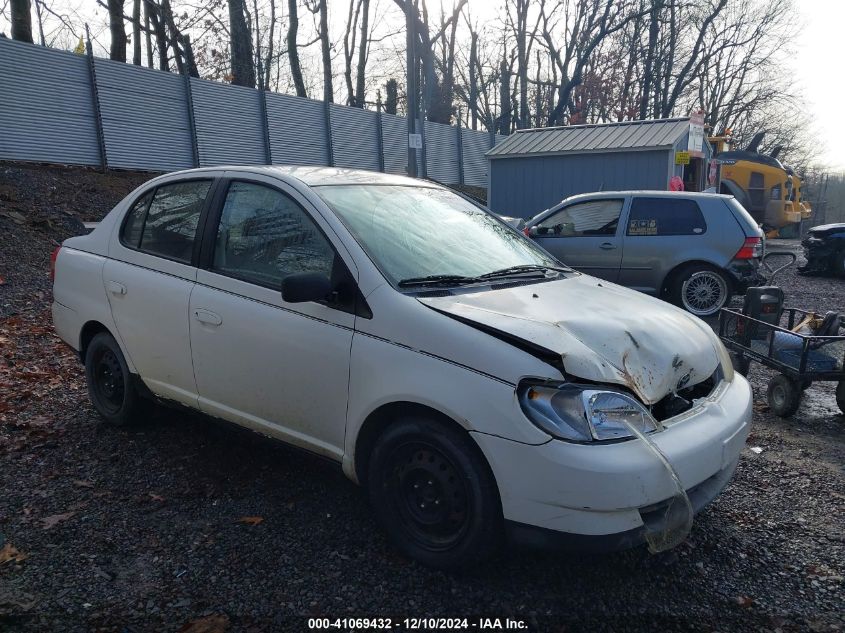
<point x="583" y="219"/>
<point x="264" y="236"/>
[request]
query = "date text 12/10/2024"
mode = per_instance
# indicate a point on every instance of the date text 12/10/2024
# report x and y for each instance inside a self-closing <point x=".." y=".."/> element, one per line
<point x="417" y="624"/>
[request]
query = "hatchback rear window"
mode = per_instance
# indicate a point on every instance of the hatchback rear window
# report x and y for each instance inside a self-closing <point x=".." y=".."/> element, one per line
<point x="665" y="216"/>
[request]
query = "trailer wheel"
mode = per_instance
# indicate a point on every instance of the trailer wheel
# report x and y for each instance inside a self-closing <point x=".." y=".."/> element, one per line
<point x="784" y="395"/>
<point x="840" y="395"/>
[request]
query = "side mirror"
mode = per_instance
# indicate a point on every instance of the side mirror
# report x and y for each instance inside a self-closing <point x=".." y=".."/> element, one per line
<point x="303" y="287"/>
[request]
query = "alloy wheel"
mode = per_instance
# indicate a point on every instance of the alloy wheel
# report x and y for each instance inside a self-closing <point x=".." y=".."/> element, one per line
<point x="704" y="292"/>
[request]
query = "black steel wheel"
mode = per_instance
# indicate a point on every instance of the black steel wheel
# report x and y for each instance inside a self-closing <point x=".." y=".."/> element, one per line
<point x="434" y="494"/>
<point x="839" y="263"/>
<point x="840" y="395"/>
<point x="109" y="381"/>
<point x="784" y="395"/>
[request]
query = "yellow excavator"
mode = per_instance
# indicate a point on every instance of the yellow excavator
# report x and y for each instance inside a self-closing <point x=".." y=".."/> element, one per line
<point x="767" y="189"/>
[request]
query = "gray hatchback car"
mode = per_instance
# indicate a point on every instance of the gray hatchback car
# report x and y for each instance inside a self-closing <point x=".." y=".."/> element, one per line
<point x="694" y="249"/>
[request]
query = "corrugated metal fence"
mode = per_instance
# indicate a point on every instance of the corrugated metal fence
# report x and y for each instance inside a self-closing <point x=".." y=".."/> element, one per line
<point x="61" y="107"/>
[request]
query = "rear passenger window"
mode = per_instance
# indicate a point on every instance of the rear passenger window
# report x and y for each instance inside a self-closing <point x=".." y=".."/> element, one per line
<point x="134" y="223"/>
<point x="264" y="236"/>
<point x="665" y="216"/>
<point x="167" y="224"/>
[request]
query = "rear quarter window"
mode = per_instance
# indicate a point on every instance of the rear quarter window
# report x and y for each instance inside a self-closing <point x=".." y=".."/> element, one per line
<point x="665" y="216"/>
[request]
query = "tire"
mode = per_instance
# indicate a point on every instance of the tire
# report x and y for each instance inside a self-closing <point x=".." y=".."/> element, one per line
<point x="700" y="289"/>
<point x="784" y="395"/>
<point x="434" y="494"/>
<point x="838" y="263"/>
<point x="840" y="396"/>
<point x="110" y="385"/>
<point x="741" y="363"/>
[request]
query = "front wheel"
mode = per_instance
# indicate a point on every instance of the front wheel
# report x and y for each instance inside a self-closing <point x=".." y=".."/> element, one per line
<point x="434" y="494"/>
<point x="109" y="381"/>
<point x="840" y="395"/>
<point x="784" y="395"/>
<point x="700" y="290"/>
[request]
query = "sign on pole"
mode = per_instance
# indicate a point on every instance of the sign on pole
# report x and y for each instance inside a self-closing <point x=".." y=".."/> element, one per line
<point x="696" y="134"/>
<point x="415" y="141"/>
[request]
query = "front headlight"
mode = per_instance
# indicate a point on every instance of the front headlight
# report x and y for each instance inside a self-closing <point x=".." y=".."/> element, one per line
<point x="580" y="413"/>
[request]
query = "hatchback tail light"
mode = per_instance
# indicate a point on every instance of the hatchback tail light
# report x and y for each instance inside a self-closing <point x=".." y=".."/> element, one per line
<point x="53" y="262"/>
<point x="751" y="249"/>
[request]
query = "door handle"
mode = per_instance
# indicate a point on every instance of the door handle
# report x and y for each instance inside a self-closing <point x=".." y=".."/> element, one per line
<point x="116" y="288"/>
<point x="607" y="246"/>
<point x="208" y="317"/>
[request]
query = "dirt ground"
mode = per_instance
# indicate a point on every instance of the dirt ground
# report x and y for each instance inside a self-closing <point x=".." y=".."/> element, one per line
<point x="182" y="524"/>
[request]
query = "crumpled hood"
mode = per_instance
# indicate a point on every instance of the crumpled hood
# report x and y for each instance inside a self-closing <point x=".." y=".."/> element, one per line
<point x="603" y="332"/>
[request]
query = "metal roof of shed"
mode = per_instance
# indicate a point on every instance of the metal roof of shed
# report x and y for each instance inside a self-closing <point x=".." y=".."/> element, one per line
<point x="602" y="137"/>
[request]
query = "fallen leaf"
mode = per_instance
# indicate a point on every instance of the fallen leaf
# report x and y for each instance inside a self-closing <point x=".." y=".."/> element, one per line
<point x="744" y="601"/>
<point x="251" y="520"/>
<point x="2" y="280"/>
<point x="55" y="519"/>
<point x="207" y="624"/>
<point x="10" y="553"/>
<point x="83" y="484"/>
<point x="156" y="497"/>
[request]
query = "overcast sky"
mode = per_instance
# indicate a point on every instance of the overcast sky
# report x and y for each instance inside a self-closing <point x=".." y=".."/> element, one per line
<point x="816" y="68"/>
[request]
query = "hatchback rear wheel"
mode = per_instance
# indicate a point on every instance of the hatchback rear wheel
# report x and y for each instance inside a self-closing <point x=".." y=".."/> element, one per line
<point x="109" y="381"/>
<point x="700" y="290"/>
<point x="434" y="494"/>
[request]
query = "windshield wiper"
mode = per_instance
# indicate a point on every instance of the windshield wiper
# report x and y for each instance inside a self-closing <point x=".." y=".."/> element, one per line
<point x="438" y="280"/>
<point x="520" y="270"/>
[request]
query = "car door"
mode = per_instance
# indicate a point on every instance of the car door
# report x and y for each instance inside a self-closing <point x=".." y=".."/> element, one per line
<point x="661" y="232"/>
<point x="586" y="235"/>
<point x="275" y="367"/>
<point x="148" y="279"/>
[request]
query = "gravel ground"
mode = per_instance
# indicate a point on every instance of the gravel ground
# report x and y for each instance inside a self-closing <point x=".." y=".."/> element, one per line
<point x="186" y="525"/>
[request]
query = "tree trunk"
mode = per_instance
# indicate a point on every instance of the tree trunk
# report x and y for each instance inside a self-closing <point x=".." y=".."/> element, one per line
<point x="160" y="30"/>
<point x="326" y="51"/>
<point x="21" y="21"/>
<point x="136" y="32"/>
<point x="648" y="71"/>
<point x="148" y="35"/>
<point x="505" y="98"/>
<point x="293" y="51"/>
<point x="243" y="66"/>
<point x="362" y="55"/>
<point x="473" y="80"/>
<point x="118" y="34"/>
<point x="392" y="102"/>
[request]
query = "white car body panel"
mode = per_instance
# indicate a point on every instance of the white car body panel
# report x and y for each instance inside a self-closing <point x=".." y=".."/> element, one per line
<point x="313" y="375"/>
<point x="603" y="332"/>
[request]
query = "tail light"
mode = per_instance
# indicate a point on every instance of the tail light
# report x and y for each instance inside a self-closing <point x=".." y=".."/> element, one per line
<point x="53" y="262"/>
<point x="752" y="248"/>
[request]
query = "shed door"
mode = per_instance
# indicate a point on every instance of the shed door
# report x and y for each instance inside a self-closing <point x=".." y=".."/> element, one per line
<point x="585" y="235"/>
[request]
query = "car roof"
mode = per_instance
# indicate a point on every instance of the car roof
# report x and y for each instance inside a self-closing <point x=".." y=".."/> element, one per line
<point x="316" y="176"/>
<point x="647" y="192"/>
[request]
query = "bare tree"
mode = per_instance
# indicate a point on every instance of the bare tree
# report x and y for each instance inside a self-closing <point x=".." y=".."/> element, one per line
<point x="293" y="50"/>
<point x="391" y="103"/>
<point x="243" y="68"/>
<point x="118" y="34"/>
<point x="21" y="21"/>
<point x="320" y="8"/>
<point x="136" y="32"/>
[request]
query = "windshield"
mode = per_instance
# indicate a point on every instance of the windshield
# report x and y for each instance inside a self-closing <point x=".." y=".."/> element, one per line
<point x="417" y="232"/>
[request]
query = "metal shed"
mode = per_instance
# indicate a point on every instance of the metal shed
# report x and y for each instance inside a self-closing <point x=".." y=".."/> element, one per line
<point x="537" y="168"/>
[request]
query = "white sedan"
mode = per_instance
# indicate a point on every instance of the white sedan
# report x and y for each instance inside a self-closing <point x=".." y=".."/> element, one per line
<point x="474" y="385"/>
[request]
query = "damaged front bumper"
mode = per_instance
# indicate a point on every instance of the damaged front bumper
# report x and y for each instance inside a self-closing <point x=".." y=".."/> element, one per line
<point x="819" y="255"/>
<point x="612" y="496"/>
